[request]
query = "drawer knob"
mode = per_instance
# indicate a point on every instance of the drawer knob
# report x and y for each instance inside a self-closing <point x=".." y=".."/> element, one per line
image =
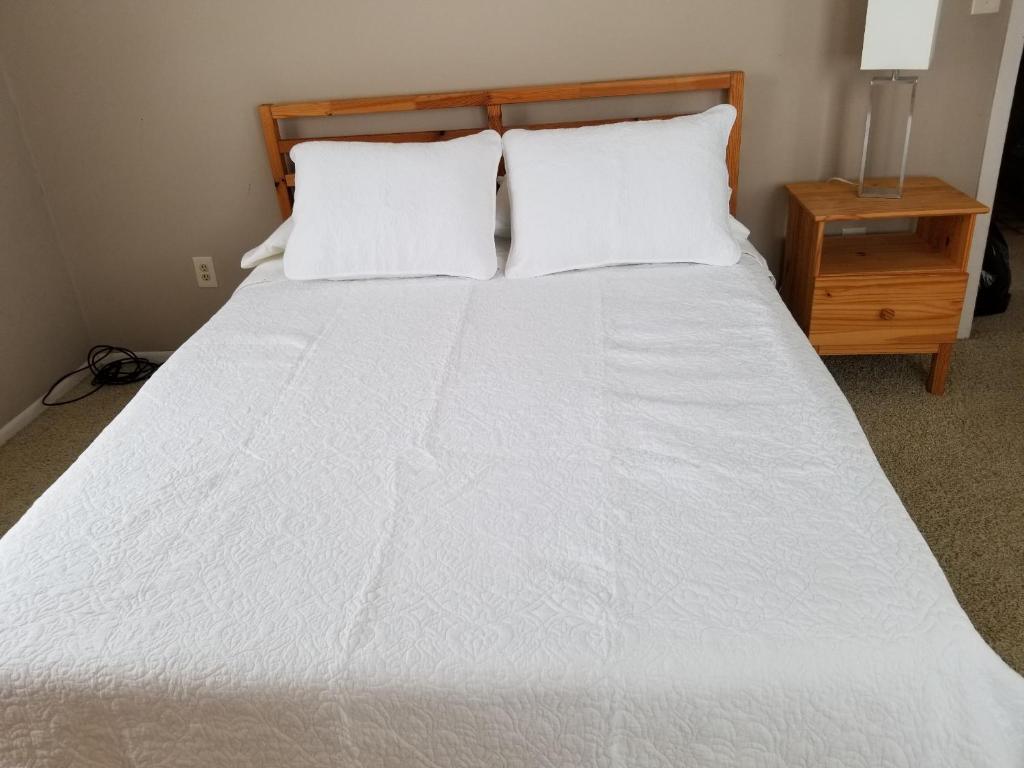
<point x="887" y="313"/>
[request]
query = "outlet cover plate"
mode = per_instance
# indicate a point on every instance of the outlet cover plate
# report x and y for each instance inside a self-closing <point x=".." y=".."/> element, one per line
<point x="206" y="275"/>
<point x="984" y="6"/>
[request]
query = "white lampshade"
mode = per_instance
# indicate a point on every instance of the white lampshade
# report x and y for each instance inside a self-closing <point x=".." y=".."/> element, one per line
<point x="900" y="34"/>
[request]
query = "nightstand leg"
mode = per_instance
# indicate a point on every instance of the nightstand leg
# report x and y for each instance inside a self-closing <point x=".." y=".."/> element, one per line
<point x="940" y="367"/>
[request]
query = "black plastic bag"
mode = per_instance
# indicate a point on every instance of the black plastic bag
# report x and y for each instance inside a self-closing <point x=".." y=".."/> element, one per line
<point x="994" y="285"/>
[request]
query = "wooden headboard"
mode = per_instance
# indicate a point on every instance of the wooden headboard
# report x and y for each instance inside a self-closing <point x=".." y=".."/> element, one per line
<point x="491" y="101"/>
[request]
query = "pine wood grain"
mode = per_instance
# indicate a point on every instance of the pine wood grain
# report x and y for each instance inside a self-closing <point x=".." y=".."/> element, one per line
<point x="400" y="137"/>
<point x="900" y="252"/>
<point x="514" y="95"/>
<point x="940" y="367"/>
<point x="922" y="196"/>
<point x="275" y="155"/>
<point x="872" y="309"/>
<point x="898" y="293"/>
<point x="949" y="234"/>
<point x="732" y="152"/>
<point x="804" y="238"/>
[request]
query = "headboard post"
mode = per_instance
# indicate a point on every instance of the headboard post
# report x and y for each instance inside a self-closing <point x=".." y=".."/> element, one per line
<point x="494" y="118"/>
<point x="272" y="138"/>
<point x="491" y="101"/>
<point x="732" y="152"/>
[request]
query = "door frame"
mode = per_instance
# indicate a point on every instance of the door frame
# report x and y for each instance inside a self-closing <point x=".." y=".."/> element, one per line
<point x="992" y="158"/>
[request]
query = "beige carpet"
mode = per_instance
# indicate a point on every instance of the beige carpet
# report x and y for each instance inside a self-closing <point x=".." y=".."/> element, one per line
<point x="957" y="461"/>
<point x="36" y="456"/>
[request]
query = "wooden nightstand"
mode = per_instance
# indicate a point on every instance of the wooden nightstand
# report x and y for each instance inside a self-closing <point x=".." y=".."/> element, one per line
<point x="880" y="293"/>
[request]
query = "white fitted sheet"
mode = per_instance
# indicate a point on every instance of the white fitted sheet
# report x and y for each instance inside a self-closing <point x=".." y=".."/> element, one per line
<point x="615" y="517"/>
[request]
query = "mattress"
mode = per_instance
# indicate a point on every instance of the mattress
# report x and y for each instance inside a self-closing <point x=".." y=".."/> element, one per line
<point x="620" y="517"/>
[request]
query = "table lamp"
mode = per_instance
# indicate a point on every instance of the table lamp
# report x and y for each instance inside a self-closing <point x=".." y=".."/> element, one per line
<point x="898" y="35"/>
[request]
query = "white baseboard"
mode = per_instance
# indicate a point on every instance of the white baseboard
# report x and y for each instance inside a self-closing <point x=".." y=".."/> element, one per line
<point x="27" y="416"/>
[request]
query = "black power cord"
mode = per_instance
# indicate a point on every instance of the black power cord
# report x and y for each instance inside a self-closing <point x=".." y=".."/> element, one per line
<point x="127" y="368"/>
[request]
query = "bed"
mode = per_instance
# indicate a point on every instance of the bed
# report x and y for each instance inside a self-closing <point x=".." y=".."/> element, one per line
<point x="620" y="516"/>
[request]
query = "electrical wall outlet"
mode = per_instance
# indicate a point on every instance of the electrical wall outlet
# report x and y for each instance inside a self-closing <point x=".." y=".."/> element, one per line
<point x="854" y="230"/>
<point x="984" y="6"/>
<point x="206" y="275"/>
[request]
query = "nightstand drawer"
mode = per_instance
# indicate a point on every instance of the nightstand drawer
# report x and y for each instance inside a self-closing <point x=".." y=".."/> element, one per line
<point x="871" y="310"/>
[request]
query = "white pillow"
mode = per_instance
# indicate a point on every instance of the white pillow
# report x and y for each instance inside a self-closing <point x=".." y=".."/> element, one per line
<point x="653" y="191"/>
<point x="366" y="209"/>
<point x="277" y="242"/>
<point x="503" y="217"/>
<point x="275" y="245"/>
<point x="271" y="247"/>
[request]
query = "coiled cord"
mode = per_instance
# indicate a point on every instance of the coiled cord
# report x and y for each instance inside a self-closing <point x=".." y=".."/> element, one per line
<point x="129" y="368"/>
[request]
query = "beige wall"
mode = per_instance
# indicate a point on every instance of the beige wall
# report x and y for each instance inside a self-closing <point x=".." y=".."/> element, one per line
<point x="141" y="112"/>
<point x="43" y="332"/>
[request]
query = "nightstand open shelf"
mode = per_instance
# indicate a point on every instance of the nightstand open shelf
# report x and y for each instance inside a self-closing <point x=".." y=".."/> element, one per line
<point x="881" y="293"/>
<point x="891" y="253"/>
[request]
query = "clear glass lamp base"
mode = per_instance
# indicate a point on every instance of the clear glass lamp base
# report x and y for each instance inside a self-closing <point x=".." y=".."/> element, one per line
<point x="886" y="91"/>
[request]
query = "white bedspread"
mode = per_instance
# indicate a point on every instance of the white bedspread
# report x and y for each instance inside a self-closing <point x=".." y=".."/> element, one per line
<point x="620" y="517"/>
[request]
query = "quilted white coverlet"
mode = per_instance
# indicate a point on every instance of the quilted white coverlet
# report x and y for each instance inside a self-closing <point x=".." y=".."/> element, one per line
<point x="620" y="517"/>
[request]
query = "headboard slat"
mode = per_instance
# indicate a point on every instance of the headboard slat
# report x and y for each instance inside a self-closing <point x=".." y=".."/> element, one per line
<point x="492" y="102"/>
<point x="394" y="138"/>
